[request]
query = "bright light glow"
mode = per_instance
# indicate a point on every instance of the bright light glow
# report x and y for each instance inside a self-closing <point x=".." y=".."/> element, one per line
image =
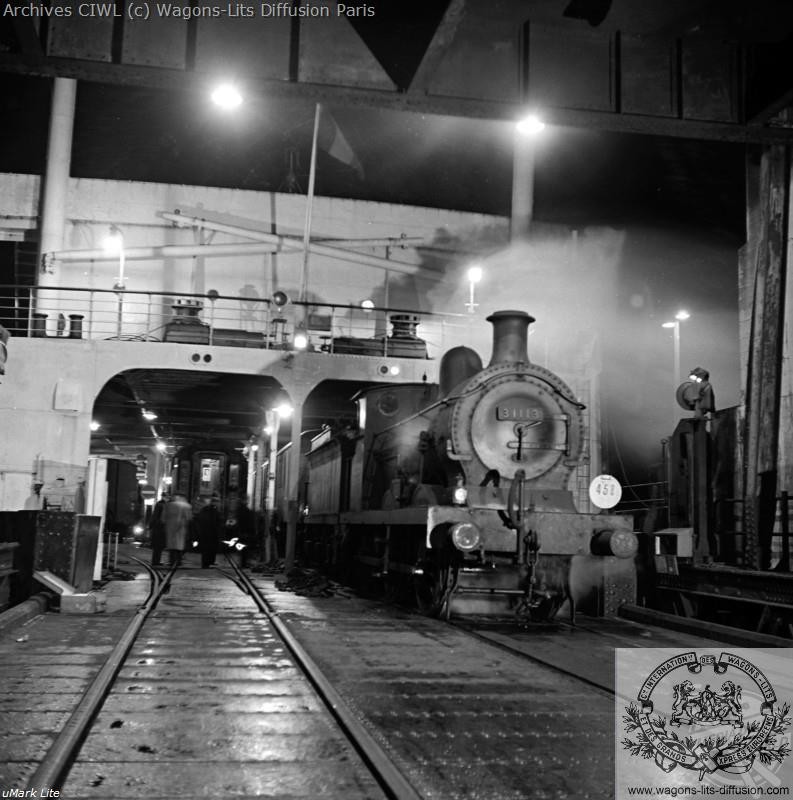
<point x="475" y="274"/>
<point x="141" y="481"/>
<point x="267" y="430"/>
<point x="95" y="426"/>
<point x="530" y="125"/>
<point x="149" y="416"/>
<point x="255" y="448"/>
<point x="167" y="480"/>
<point x="227" y="96"/>
<point x="284" y="411"/>
<point x="113" y="243"/>
<point x="161" y="446"/>
<point x="367" y="305"/>
<point x="669" y="325"/>
<point x="394" y="370"/>
<point x="301" y="341"/>
<point x="681" y="315"/>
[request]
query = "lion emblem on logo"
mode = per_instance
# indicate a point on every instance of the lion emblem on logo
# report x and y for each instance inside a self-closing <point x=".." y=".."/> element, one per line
<point x="691" y="707"/>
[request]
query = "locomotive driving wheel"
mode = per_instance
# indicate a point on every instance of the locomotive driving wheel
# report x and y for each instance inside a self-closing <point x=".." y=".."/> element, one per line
<point x="434" y="581"/>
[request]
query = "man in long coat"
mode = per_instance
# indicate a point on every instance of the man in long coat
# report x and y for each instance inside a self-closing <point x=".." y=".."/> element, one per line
<point x="157" y="530"/>
<point x="177" y="518"/>
<point x="208" y="527"/>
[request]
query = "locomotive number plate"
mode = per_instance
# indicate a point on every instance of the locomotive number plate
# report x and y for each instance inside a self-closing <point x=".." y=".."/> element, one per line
<point x="509" y="413"/>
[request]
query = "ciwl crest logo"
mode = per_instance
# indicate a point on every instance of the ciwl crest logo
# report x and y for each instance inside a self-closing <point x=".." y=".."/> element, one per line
<point x="744" y="705"/>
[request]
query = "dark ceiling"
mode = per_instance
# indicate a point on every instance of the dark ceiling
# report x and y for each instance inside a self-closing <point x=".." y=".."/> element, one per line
<point x="132" y="133"/>
<point x="192" y="408"/>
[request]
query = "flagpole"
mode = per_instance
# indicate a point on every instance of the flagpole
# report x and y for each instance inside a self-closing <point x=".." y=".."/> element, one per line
<point x="309" y="206"/>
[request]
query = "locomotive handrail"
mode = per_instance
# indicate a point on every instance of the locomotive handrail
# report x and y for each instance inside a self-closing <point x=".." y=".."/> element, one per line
<point x="443" y="402"/>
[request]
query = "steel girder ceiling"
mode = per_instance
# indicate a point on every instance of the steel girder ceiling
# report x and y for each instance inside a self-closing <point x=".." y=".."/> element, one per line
<point x="691" y="68"/>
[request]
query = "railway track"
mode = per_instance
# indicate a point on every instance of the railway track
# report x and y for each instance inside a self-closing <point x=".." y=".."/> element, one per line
<point x="204" y="694"/>
<point x="226" y="687"/>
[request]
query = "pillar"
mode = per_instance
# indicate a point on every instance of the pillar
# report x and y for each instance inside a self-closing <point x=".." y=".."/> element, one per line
<point x="54" y="189"/>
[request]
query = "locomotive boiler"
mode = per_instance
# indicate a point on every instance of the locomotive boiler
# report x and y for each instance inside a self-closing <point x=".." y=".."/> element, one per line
<point x="461" y="492"/>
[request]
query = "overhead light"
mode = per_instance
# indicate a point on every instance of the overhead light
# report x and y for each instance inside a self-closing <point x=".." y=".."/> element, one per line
<point x="161" y="446"/>
<point x="149" y="416"/>
<point x="95" y="426"/>
<point x="530" y="125"/>
<point x="284" y="410"/>
<point x="227" y="96"/>
<point x="301" y="340"/>
<point x="367" y="305"/>
<point x="681" y="315"/>
<point x="113" y="243"/>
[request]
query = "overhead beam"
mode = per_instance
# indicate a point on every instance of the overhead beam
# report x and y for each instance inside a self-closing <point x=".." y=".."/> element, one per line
<point x="297" y="245"/>
<point x="163" y="78"/>
<point x="27" y="36"/>
<point x="782" y="102"/>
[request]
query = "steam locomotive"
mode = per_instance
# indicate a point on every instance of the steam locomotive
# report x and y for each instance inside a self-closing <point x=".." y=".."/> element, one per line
<point x="459" y="493"/>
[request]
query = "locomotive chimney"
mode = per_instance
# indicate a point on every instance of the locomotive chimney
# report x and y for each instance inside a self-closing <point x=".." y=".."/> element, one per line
<point x="510" y="336"/>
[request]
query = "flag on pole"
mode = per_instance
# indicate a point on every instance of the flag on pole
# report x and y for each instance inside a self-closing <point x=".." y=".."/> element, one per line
<point x="335" y="144"/>
<point x="329" y="137"/>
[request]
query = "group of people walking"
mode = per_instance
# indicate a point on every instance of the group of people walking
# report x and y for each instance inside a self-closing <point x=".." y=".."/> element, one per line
<point x="174" y="527"/>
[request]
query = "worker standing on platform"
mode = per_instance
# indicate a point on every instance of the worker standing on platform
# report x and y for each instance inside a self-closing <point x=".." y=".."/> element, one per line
<point x="208" y="528"/>
<point x="157" y="530"/>
<point x="177" y="517"/>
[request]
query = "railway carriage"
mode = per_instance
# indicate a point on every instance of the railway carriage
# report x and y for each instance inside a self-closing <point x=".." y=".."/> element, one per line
<point x="207" y="469"/>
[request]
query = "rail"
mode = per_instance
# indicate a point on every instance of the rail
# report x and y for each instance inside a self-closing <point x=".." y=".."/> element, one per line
<point x="56" y="760"/>
<point x="73" y="313"/>
<point x="383" y="768"/>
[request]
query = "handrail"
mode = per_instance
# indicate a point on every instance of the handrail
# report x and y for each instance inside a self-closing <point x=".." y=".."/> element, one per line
<point x="205" y="296"/>
<point x="126" y="314"/>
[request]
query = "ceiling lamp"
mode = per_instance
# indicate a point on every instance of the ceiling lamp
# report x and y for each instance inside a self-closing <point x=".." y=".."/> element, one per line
<point x="530" y="125"/>
<point x="227" y="96"/>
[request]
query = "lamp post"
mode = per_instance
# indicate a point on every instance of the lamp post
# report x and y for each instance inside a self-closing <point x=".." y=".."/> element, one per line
<point x="273" y="419"/>
<point x="675" y="326"/>
<point x="474" y="276"/>
<point x="227" y="96"/>
<point x="114" y="245"/>
<point x="526" y="131"/>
